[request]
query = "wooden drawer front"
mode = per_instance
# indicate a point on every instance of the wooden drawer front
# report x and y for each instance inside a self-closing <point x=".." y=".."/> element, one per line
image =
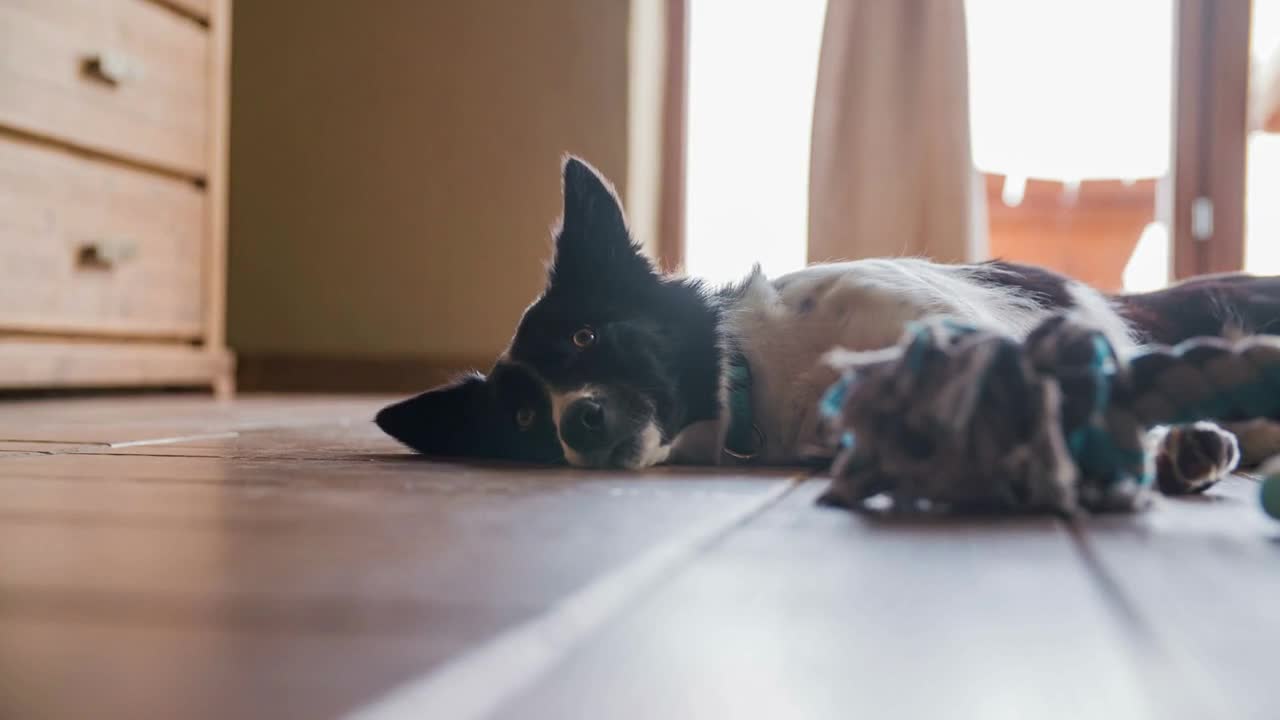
<point x="155" y="110"/>
<point x="90" y="247"/>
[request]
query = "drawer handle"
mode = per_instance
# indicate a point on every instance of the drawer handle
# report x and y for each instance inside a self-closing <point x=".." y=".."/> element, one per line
<point x="114" y="67"/>
<point x="106" y="254"/>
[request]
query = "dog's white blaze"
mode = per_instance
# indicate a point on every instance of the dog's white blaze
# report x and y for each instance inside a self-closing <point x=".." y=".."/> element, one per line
<point x="560" y="401"/>
<point x="573" y="457"/>
<point x="652" y="450"/>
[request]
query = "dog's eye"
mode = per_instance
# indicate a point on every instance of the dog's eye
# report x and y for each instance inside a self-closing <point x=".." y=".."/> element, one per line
<point x="524" y="417"/>
<point x="584" y="338"/>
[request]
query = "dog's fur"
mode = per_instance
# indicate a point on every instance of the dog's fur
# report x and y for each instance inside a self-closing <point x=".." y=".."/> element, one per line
<point x="617" y="365"/>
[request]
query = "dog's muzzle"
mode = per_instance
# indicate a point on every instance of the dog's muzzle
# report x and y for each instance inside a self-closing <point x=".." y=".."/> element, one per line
<point x="585" y="427"/>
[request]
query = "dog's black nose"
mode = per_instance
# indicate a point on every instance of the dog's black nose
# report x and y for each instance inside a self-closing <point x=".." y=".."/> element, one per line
<point x="584" y="425"/>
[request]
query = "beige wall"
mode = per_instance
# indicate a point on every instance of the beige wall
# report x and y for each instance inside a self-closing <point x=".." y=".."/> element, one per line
<point x="394" y="165"/>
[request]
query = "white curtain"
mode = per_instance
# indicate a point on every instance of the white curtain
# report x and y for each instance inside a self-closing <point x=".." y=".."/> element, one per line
<point x="891" y="171"/>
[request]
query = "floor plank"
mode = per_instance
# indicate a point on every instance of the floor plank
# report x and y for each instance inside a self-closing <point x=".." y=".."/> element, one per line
<point x="367" y="537"/>
<point x="817" y="614"/>
<point x="342" y="439"/>
<point x="1201" y="575"/>
<point x="75" y="667"/>
<point x="44" y="447"/>
<point x="279" y="557"/>
<point x="289" y="568"/>
<point x="114" y="419"/>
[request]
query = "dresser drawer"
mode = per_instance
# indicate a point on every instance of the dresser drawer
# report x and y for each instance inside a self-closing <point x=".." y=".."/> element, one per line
<point x="94" y="248"/>
<point x="123" y="77"/>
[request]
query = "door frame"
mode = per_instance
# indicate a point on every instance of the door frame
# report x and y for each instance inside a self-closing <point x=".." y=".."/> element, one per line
<point x="1206" y="194"/>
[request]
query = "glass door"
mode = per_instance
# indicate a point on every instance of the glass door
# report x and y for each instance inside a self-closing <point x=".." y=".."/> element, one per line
<point x="1071" y="120"/>
<point x="1262" y="186"/>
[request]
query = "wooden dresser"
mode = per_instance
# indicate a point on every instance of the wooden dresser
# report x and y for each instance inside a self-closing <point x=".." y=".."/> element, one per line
<point x="113" y="174"/>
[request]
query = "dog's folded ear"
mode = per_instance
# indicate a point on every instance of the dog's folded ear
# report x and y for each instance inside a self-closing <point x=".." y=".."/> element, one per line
<point x="444" y="421"/>
<point x="593" y="238"/>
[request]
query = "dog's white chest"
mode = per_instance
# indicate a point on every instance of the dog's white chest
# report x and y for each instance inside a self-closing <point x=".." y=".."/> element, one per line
<point x="785" y="327"/>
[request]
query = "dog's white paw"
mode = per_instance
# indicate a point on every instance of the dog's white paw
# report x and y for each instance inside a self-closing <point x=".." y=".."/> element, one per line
<point x="1193" y="458"/>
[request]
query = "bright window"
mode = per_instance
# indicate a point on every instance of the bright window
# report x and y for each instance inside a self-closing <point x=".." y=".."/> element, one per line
<point x="752" y="70"/>
<point x="1076" y="91"/>
<point x="1262" y="187"/>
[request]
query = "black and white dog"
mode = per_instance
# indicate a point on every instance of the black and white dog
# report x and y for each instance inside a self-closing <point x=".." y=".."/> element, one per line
<point x="617" y="365"/>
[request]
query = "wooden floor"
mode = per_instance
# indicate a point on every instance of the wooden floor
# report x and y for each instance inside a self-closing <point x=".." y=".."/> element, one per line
<point x="168" y="557"/>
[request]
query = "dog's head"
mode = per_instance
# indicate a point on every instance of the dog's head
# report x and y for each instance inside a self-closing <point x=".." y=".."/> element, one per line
<point x="606" y="366"/>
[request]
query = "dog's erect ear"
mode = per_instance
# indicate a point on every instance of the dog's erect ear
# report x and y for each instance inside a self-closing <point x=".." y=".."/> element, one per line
<point x="592" y="211"/>
<point x="593" y="236"/>
<point x="445" y="421"/>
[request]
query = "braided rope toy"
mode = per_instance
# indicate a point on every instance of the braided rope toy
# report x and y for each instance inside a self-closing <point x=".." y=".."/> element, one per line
<point x="971" y="419"/>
